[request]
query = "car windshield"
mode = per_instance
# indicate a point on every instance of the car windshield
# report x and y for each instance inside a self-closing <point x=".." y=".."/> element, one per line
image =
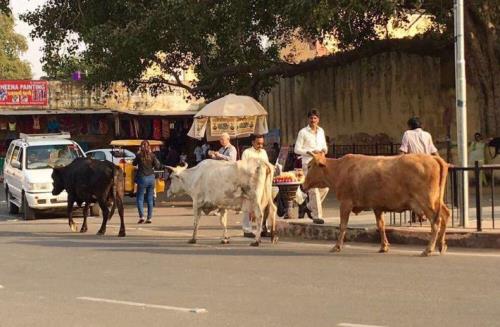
<point x="48" y="156"/>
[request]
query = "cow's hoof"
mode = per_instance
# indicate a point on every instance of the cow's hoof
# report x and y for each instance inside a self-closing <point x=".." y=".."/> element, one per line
<point x="384" y="249"/>
<point x="73" y="227"/>
<point x="122" y="234"/>
<point x="336" y="248"/>
<point x="224" y="241"/>
<point x="443" y="249"/>
<point x="83" y="229"/>
<point x="101" y="232"/>
<point x="425" y="253"/>
<point x="192" y="241"/>
<point x="255" y="243"/>
<point x="274" y="239"/>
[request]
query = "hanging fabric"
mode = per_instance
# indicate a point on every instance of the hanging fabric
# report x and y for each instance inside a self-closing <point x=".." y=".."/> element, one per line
<point x="103" y="126"/>
<point x="3" y="124"/>
<point x="165" y="128"/>
<point x="156" y="129"/>
<point x="36" y="123"/>
<point x="12" y="126"/>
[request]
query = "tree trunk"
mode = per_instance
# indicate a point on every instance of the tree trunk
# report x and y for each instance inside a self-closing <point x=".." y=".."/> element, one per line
<point x="483" y="61"/>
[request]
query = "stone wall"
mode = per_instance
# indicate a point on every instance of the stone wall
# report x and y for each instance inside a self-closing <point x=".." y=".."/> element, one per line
<point x="371" y="99"/>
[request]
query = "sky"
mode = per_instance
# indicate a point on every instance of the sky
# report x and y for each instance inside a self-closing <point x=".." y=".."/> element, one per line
<point x="34" y="53"/>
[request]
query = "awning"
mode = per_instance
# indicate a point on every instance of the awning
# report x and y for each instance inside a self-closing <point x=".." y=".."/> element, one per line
<point x="157" y="112"/>
<point x="21" y="112"/>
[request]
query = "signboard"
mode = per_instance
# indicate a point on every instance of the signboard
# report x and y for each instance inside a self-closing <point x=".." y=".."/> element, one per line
<point x="234" y="126"/>
<point x="24" y="93"/>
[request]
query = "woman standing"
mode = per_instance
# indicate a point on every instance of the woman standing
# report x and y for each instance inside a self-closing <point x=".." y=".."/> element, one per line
<point x="146" y="163"/>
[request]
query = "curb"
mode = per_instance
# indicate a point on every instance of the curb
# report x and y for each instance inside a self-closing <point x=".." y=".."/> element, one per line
<point x="395" y="235"/>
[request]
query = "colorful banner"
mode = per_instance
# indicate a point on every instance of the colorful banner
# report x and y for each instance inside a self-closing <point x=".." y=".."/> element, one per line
<point x="24" y="93"/>
<point x="219" y="125"/>
<point x="234" y="126"/>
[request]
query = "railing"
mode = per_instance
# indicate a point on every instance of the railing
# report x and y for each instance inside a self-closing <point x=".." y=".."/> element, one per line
<point x="382" y="149"/>
<point x="482" y="198"/>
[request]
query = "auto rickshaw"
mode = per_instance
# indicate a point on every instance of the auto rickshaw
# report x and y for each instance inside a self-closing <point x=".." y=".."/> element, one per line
<point x="129" y="169"/>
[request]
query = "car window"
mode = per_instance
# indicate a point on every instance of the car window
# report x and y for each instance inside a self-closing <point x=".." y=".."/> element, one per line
<point x="48" y="156"/>
<point x="15" y="153"/>
<point x="8" y="156"/>
<point x="122" y="153"/>
<point x="97" y="155"/>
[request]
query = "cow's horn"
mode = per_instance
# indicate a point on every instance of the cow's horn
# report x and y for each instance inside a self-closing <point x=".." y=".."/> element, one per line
<point x="170" y="168"/>
<point x="185" y="165"/>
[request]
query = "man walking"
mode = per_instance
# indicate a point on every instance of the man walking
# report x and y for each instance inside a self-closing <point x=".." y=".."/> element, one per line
<point x="226" y="152"/>
<point x="312" y="139"/>
<point x="256" y="151"/>
<point x="416" y="140"/>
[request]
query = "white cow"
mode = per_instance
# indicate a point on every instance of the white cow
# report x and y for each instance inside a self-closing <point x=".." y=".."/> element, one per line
<point x="222" y="185"/>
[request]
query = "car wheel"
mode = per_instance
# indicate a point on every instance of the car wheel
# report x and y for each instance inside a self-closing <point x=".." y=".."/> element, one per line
<point x="13" y="209"/>
<point x="95" y="211"/>
<point x="28" y="212"/>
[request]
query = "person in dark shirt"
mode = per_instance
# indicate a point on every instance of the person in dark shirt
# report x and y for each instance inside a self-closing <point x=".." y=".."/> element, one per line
<point x="146" y="163"/>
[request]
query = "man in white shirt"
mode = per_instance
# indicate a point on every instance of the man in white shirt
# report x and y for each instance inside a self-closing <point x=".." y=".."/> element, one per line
<point x="416" y="140"/>
<point x="256" y="151"/>
<point x="226" y="152"/>
<point x="312" y="139"/>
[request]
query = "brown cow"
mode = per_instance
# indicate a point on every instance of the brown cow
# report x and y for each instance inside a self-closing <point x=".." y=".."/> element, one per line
<point x="406" y="182"/>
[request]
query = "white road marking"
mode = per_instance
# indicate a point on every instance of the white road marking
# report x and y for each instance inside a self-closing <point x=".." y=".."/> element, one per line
<point x="346" y="324"/>
<point x="143" y="305"/>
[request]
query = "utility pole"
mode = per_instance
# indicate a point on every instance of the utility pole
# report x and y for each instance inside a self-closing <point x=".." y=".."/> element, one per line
<point x="461" y="104"/>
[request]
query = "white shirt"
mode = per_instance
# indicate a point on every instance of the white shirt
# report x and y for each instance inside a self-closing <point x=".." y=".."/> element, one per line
<point x="307" y="141"/>
<point x="417" y="141"/>
<point x="254" y="153"/>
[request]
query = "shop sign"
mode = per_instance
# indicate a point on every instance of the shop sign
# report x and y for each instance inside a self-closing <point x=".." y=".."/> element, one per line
<point x="24" y="93"/>
<point x="234" y="126"/>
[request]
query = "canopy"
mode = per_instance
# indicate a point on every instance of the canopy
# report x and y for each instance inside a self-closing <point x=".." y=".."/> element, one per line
<point x="237" y="115"/>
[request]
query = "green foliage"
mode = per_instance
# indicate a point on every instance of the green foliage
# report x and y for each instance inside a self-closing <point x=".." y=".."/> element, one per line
<point x="232" y="45"/>
<point x="11" y="46"/>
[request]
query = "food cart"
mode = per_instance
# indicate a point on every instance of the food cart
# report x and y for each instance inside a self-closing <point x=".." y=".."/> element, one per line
<point x="129" y="169"/>
<point x="288" y="184"/>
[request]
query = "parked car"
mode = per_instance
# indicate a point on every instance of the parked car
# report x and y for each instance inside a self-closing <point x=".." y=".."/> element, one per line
<point x="116" y="156"/>
<point x="28" y="171"/>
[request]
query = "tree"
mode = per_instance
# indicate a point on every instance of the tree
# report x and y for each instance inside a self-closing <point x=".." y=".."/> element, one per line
<point x="11" y="46"/>
<point x="234" y="45"/>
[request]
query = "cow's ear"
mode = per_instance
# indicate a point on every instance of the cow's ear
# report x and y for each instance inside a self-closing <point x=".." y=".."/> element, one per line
<point x="322" y="161"/>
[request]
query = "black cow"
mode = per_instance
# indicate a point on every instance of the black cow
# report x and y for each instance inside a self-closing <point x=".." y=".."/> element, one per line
<point x="91" y="181"/>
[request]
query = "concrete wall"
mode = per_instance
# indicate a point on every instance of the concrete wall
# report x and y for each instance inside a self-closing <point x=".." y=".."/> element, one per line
<point x="371" y="99"/>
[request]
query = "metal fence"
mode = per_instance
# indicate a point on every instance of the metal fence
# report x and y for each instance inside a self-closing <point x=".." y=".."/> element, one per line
<point x="483" y="188"/>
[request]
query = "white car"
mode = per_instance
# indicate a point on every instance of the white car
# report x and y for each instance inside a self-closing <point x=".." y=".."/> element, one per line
<point x="28" y="171"/>
<point x="116" y="156"/>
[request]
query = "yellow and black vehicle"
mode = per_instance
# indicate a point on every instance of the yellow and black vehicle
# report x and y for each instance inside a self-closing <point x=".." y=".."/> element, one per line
<point x="128" y="167"/>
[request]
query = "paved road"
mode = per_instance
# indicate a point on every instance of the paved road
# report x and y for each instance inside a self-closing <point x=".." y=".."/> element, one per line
<point x="52" y="277"/>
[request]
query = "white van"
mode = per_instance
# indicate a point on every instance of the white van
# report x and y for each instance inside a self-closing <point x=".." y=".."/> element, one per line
<point x="28" y="171"/>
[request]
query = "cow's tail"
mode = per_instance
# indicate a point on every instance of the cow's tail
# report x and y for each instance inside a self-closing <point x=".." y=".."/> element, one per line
<point x="443" y="175"/>
<point x="114" y="191"/>
<point x="268" y="193"/>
